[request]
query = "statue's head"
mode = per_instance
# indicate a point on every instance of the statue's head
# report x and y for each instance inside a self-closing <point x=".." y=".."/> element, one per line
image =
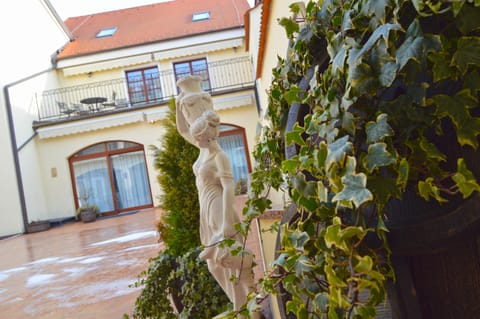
<point x="205" y="128"/>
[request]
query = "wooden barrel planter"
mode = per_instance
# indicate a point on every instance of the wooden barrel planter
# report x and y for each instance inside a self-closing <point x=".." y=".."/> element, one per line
<point x="437" y="263"/>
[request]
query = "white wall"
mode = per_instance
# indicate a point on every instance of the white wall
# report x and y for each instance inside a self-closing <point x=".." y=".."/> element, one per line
<point x="30" y="36"/>
<point x="276" y="45"/>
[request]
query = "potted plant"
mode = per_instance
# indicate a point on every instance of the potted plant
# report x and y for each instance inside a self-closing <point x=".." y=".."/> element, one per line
<point x="374" y="118"/>
<point x="86" y="212"/>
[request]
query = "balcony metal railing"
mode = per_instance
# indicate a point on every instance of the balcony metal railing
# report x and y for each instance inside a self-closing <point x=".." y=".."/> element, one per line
<point x="75" y="102"/>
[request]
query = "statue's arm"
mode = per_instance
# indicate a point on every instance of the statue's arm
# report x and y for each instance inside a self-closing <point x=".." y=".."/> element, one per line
<point x="181" y="122"/>
<point x="229" y="215"/>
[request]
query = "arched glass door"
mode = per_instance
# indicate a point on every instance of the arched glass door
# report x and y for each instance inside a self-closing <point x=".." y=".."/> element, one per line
<point x="111" y="175"/>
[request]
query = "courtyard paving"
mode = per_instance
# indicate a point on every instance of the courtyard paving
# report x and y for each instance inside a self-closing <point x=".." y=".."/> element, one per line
<point x="77" y="270"/>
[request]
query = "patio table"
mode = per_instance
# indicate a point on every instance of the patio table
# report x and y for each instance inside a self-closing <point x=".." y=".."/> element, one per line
<point x="91" y="101"/>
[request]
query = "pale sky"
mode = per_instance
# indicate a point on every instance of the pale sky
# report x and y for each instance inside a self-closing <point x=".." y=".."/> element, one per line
<point x="74" y="8"/>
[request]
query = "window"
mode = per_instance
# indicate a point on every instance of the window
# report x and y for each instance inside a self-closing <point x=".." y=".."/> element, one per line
<point x="107" y="32"/>
<point x="111" y="175"/>
<point x="199" y="16"/>
<point x="233" y="142"/>
<point x="144" y="85"/>
<point x="195" y="67"/>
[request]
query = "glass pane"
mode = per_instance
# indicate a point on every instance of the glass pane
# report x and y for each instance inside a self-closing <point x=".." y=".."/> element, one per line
<point x="97" y="148"/>
<point x="182" y="69"/>
<point x="151" y="73"/>
<point x="134" y="76"/>
<point x="118" y="145"/>
<point x="136" y="86"/>
<point x="235" y="150"/>
<point x="93" y="183"/>
<point x="199" y="65"/>
<point x="131" y="182"/>
<point x="226" y="128"/>
<point x="154" y="90"/>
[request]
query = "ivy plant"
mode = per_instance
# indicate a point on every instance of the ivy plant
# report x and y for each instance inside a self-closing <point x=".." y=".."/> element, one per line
<point x="183" y="279"/>
<point x="386" y="85"/>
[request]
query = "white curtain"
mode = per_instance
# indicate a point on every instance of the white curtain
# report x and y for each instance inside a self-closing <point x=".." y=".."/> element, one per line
<point x="130" y="177"/>
<point x="92" y="182"/>
<point x="235" y="149"/>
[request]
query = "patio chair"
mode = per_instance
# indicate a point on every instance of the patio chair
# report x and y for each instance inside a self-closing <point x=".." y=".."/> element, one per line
<point x="112" y="102"/>
<point x="119" y="103"/>
<point x="79" y="109"/>
<point x="65" y="109"/>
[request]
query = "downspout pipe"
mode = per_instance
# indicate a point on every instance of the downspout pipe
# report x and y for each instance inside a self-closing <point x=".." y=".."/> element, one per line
<point x="13" y="144"/>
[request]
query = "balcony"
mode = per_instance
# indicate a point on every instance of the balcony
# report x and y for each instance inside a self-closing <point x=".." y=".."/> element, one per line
<point x="117" y="95"/>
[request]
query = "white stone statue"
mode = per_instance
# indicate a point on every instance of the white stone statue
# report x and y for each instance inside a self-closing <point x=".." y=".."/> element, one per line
<point x="199" y="124"/>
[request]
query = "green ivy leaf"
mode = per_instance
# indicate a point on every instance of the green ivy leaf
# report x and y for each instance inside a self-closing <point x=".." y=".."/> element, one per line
<point x="321" y="301"/>
<point x="290" y="26"/>
<point x="364" y="264"/>
<point x="295" y="135"/>
<point x="377" y="131"/>
<point x="354" y="190"/>
<point x="298" y="239"/>
<point x="362" y="78"/>
<point x="304" y="264"/>
<point x="332" y="234"/>
<point x="322" y="192"/>
<point x="291" y="165"/>
<point x="468" y="131"/>
<point x="348" y="122"/>
<point x="456" y="108"/>
<point x="441" y="68"/>
<point x="468" y="20"/>
<point x="349" y="232"/>
<point x="427" y="189"/>
<point x="465" y="180"/>
<point x="338" y="63"/>
<point x="376" y="10"/>
<point x="304" y="188"/>
<point x="334" y="280"/>
<point x="411" y="48"/>
<point x="388" y="73"/>
<point x="366" y="311"/>
<point x="430" y="149"/>
<point x="383" y="188"/>
<point x="378" y="156"/>
<point x="403" y="172"/>
<point x="472" y="81"/>
<point x="382" y="31"/>
<point x="337" y="151"/>
<point x="467" y="53"/>
<point x="350" y="165"/>
<point x="293" y="94"/>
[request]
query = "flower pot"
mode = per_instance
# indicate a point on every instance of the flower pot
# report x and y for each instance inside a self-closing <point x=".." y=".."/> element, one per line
<point x="87" y="216"/>
<point x="38" y="226"/>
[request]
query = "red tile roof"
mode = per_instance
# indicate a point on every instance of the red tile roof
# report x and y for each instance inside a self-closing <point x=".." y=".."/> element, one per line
<point x="151" y="23"/>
